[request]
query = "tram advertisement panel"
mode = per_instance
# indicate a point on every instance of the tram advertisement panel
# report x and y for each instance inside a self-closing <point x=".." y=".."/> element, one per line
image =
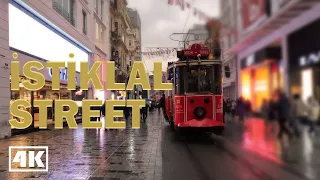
<point x="219" y="110"/>
<point x="179" y="108"/>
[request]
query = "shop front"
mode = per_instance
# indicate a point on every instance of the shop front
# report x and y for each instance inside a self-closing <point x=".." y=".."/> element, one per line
<point x="101" y="94"/>
<point x="46" y="93"/>
<point x="31" y="44"/>
<point x="260" y="76"/>
<point x="304" y="61"/>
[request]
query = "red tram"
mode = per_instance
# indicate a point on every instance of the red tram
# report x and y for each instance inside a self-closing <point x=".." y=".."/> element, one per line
<point x="195" y="100"/>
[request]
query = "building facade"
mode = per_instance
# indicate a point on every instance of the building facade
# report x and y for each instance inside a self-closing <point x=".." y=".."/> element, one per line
<point x="230" y="24"/>
<point x="197" y="35"/>
<point x="102" y="43"/>
<point x="277" y="49"/>
<point x="120" y="30"/>
<point x="135" y="51"/>
<point x="57" y="30"/>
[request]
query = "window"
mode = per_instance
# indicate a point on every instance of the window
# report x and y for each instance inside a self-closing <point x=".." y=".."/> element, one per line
<point x="130" y="63"/>
<point x="97" y="6"/>
<point x="101" y="33"/>
<point x="130" y="43"/>
<point x="101" y="11"/>
<point x="203" y="79"/>
<point x="192" y="75"/>
<point x="205" y="75"/>
<point x="116" y="26"/>
<point x="84" y="22"/>
<point x="97" y="30"/>
<point x="65" y="8"/>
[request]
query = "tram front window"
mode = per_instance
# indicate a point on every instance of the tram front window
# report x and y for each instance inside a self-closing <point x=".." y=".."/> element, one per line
<point x="192" y="80"/>
<point x="205" y="76"/>
<point x="204" y="79"/>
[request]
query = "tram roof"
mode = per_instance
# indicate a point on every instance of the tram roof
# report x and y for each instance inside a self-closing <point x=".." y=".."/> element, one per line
<point x="194" y="63"/>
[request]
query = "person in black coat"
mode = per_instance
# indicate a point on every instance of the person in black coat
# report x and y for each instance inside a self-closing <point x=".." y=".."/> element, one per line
<point x="103" y="109"/>
<point x="98" y="109"/>
<point x="283" y="113"/>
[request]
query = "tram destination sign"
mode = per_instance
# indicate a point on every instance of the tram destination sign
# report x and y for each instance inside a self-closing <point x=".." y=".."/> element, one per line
<point x="202" y="52"/>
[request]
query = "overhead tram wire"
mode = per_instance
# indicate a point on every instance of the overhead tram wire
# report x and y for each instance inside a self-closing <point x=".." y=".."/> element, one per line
<point x="185" y="24"/>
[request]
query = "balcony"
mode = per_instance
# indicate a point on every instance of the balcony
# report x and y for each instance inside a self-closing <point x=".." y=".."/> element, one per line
<point x="115" y="37"/>
<point x="114" y="4"/>
<point x="66" y="15"/>
<point x="285" y="16"/>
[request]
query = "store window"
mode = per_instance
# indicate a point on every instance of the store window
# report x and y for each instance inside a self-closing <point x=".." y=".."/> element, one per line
<point x="46" y="93"/>
<point x="22" y="93"/>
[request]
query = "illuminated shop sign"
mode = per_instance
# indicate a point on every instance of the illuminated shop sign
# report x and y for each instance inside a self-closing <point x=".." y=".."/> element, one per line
<point x="311" y="59"/>
<point x="303" y="47"/>
<point x="33" y="36"/>
<point x="269" y="53"/>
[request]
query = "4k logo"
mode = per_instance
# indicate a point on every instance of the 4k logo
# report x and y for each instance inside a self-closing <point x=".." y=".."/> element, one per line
<point x="28" y="158"/>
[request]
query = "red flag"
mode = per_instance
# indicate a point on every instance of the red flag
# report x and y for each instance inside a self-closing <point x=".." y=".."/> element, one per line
<point x="170" y="2"/>
<point x="178" y="2"/>
<point x="188" y="5"/>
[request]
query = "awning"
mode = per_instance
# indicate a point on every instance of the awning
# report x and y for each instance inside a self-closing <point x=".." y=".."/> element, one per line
<point x="283" y="17"/>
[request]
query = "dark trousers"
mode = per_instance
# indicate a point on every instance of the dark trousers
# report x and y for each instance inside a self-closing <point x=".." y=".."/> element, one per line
<point x="313" y="126"/>
<point x="284" y="128"/>
<point x="164" y="111"/>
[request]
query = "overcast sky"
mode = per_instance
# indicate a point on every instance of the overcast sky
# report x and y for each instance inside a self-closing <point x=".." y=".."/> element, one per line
<point x="159" y="20"/>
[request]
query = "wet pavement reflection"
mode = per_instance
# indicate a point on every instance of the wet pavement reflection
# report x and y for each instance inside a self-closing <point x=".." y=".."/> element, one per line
<point x="152" y="152"/>
<point x="299" y="156"/>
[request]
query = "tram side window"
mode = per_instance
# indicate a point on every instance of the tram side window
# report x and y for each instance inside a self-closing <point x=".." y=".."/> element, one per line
<point x="218" y="79"/>
<point x="179" y="81"/>
<point x="206" y="75"/>
<point x="192" y="74"/>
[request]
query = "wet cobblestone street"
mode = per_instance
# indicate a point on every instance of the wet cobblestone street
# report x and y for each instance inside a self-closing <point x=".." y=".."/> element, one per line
<point x="152" y="152"/>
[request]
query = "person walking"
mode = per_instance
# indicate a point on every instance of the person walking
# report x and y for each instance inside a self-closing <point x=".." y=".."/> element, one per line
<point x="96" y="108"/>
<point x="163" y="106"/>
<point x="299" y="111"/>
<point x="272" y="115"/>
<point x="241" y="109"/>
<point x="283" y="111"/>
<point x="314" y="114"/>
<point x="228" y="111"/>
<point x="103" y="109"/>
<point x="233" y="109"/>
<point x="224" y="110"/>
<point x="265" y="109"/>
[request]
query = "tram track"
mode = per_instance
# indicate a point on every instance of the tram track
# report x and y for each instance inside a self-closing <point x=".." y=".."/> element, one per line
<point x="204" y="175"/>
<point x="249" y="166"/>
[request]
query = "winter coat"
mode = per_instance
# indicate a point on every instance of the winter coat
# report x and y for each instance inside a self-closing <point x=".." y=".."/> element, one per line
<point x="283" y="107"/>
<point x="314" y="110"/>
<point x="241" y="108"/>
<point x="103" y="109"/>
<point x="299" y="109"/>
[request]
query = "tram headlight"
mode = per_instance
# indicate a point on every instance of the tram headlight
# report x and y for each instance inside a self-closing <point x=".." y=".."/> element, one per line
<point x="199" y="112"/>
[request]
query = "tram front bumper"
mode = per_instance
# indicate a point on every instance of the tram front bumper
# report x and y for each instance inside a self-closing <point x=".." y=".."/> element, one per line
<point x="201" y="123"/>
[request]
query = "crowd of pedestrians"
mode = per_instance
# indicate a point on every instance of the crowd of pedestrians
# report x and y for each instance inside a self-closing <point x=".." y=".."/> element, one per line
<point x="282" y="114"/>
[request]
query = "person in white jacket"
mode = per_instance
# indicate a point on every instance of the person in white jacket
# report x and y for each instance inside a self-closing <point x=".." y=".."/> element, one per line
<point x="314" y="114"/>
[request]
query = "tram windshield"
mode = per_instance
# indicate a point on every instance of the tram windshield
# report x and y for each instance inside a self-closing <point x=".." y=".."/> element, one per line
<point x="203" y="79"/>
